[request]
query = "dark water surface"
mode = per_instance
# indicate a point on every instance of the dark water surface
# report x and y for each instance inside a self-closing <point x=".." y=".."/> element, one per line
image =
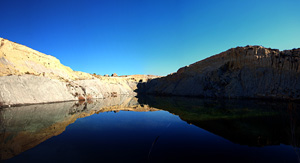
<point x="152" y="129"/>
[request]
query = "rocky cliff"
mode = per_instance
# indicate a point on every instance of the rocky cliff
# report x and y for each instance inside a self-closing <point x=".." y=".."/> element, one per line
<point x="16" y="59"/>
<point x="28" y="77"/>
<point x="242" y="72"/>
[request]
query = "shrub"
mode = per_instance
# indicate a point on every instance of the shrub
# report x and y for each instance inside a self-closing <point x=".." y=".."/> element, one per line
<point x="81" y="98"/>
<point x="89" y="97"/>
<point x="114" y="94"/>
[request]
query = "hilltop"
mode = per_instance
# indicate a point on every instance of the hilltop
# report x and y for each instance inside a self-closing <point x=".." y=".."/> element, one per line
<point x="17" y="59"/>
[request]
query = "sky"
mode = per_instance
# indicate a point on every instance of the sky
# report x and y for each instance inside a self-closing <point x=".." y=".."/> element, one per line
<point x="147" y="36"/>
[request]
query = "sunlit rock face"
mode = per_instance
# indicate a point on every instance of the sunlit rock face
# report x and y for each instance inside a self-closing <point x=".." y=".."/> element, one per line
<point x="17" y="59"/>
<point x="24" y="127"/>
<point x="29" y="77"/>
<point x="31" y="89"/>
<point x="251" y="72"/>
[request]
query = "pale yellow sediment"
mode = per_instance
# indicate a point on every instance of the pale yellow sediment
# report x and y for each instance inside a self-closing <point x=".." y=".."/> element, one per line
<point x="16" y="59"/>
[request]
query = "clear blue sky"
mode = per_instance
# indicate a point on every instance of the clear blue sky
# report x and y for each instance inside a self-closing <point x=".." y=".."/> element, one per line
<point x="147" y="36"/>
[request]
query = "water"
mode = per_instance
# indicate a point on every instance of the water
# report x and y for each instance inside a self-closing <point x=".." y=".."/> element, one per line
<point x="152" y="129"/>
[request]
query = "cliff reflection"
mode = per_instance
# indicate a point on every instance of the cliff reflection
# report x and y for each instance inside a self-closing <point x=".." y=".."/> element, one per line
<point x="245" y="122"/>
<point x="24" y="127"/>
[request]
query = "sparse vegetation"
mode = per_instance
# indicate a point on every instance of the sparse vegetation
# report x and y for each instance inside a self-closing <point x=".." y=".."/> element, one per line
<point x="97" y="76"/>
<point x="89" y="97"/>
<point x="114" y="94"/>
<point x="81" y="98"/>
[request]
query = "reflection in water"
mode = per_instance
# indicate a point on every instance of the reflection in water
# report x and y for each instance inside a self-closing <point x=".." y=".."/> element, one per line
<point x="22" y="128"/>
<point x="245" y="122"/>
<point x="294" y="127"/>
<point x="234" y="131"/>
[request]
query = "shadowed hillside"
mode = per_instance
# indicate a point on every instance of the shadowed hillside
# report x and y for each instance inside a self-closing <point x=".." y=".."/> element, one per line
<point x="242" y="72"/>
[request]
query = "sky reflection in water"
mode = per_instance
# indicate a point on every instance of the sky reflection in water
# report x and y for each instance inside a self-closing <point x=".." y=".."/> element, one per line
<point x="198" y="130"/>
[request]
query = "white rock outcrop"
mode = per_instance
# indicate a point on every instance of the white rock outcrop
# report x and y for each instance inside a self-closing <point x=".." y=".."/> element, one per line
<point x="30" y="77"/>
<point x="30" y="89"/>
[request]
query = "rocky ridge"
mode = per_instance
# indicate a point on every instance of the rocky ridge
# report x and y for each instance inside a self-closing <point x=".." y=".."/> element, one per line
<point x="242" y="72"/>
<point x="17" y="59"/>
<point x="29" y="77"/>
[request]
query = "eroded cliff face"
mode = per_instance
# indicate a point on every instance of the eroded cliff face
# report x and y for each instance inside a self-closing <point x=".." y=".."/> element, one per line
<point x="17" y="59"/>
<point x="29" y="77"/>
<point x="250" y="72"/>
<point x="30" y="89"/>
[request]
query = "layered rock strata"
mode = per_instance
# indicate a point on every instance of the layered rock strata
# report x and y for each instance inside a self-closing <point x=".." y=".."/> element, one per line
<point x="30" y="89"/>
<point x="242" y="72"/>
<point x="29" y="77"/>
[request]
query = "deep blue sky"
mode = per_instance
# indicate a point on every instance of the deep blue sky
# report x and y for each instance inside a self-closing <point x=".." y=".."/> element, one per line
<point x="147" y="36"/>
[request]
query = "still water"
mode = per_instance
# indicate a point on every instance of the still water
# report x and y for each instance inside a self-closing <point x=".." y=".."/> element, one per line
<point x="152" y="129"/>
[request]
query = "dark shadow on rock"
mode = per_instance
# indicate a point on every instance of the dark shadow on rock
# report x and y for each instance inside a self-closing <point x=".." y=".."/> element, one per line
<point x="243" y="72"/>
